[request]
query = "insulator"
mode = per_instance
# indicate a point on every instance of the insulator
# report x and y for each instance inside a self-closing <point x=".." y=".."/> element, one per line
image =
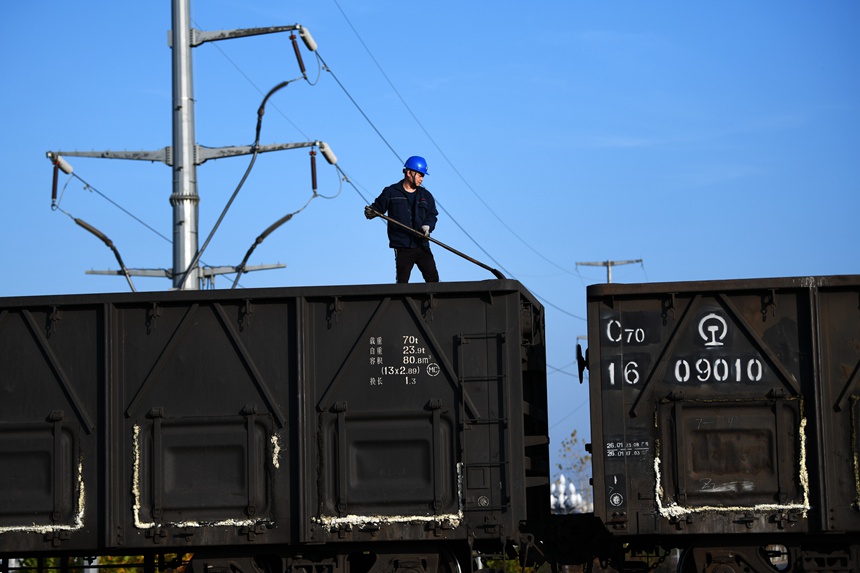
<point x="63" y="164"/>
<point x="327" y="153"/>
<point x="309" y="41"/>
<point x="313" y="155"/>
<point x="95" y="232"/>
<point x="298" y="53"/>
<point x="54" y="187"/>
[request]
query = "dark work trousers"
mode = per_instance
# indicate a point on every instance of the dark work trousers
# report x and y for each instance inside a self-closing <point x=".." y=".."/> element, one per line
<point x="405" y="259"/>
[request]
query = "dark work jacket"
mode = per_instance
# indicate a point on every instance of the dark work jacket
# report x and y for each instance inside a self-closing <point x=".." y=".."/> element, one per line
<point x="394" y="202"/>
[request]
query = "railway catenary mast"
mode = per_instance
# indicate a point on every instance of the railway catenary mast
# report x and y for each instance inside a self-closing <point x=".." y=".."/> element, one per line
<point x="185" y="155"/>
<point x="184" y="199"/>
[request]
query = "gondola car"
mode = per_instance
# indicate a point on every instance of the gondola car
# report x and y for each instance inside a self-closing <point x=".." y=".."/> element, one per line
<point x="365" y="428"/>
<point x="724" y="420"/>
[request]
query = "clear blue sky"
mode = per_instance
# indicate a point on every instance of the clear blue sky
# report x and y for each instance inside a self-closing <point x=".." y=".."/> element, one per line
<point x="713" y="140"/>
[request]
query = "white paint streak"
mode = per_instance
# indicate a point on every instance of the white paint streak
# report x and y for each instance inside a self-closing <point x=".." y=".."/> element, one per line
<point x="446" y="520"/>
<point x="451" y="520"/>
<point x="79" y="514"/>
<point x="733" y="486"/>
<point x="675" y="510"/>
<point x="855" y="456"/>
<point x="140" y="524"/>
<point x="135" y="483"/>
<point x="803" y="474"/>
<point x="276" y="452"/>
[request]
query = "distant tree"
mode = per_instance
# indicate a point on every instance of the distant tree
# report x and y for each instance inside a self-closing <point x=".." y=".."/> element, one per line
<point x="49" y="564"/>
<point x="111" y="564"/>
<point x="122" y="563"/>
<point x="513" y="566"/>
<point x="571" y="491"/>
<point x="134" y="564"/>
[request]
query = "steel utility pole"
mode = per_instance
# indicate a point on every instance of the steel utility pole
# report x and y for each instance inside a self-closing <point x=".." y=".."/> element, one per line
<point x="609" y="265"/>
<point x="184" y="199"/>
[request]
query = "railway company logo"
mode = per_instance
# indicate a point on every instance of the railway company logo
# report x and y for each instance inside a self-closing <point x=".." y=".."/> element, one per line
<point x="713" y="329"/>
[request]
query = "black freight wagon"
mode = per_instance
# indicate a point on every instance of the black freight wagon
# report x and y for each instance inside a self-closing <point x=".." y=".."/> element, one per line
<point x="391" y="429"/>
<point x="359" y="428"/>
<point x="725" y="419"/>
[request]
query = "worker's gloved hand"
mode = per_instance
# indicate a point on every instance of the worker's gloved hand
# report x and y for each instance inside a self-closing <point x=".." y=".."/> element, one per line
<point x="426" y="229"/>
<point x="369" y="212"/>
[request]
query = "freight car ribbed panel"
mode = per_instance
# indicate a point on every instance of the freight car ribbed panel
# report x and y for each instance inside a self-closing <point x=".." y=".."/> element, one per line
<point x="385" y="407"/>
<point x="839" y="328"/>
<point x="203" y="397"/>
<point x="49" y="407"/>
<point x="150" y="422"/>
<point x="42" y="490"/>
<point x="712" y="411"/>
<point x="416" y="405"/>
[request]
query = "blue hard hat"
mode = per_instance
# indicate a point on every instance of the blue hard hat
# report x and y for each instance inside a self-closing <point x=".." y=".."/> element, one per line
<point x="416" y="163"/>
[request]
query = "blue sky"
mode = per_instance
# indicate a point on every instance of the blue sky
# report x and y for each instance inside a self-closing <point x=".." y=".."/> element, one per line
<point x="712" y="140"/>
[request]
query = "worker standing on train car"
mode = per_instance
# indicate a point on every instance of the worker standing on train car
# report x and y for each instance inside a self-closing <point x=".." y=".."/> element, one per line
<point x="409" y="203"/>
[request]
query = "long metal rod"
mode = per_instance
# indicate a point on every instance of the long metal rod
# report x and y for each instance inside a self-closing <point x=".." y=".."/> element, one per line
<point x="496" y="273"/>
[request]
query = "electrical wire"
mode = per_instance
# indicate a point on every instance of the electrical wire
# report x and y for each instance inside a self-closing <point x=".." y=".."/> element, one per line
<point x="447" y="160"/>
<point x="358" y="107"/>
<point x="441" y="206"/>
<point x="348" y="179"/>
<point x="324" y="66"/>
<point x="199" y="253"/>
<point x="262" y="237"/>
<point x="339" y="189"/>
<point x="327" y="68"/>
<point x="88" y="187"/>
<point x="569" y="414"/>
<point x="255" y="86"/>
<point x="55" y="206"/>
<point x="256" y="151"/>
<point x="562" y="371"/>
<point x="502" y="267"/>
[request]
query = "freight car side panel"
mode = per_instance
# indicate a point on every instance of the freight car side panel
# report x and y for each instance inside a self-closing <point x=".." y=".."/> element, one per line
<point x="171" y="421"/>
<point x="50" y="378"/>
<point x="202" y="405"/>
<point x="839" y="328"/>
<point x="413" y="415"/>
<point x="698" y="407"/>
<point x="380" y="416"/>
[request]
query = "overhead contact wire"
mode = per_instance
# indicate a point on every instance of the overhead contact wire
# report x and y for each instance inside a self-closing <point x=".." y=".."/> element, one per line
<point x="256" y="87"/>
<point x="256" y="147"/>
<point x="453" y="219"/>
<point x="89" y="187"/>
<point x="358" y="107"/>
<point x="439" y="149"/>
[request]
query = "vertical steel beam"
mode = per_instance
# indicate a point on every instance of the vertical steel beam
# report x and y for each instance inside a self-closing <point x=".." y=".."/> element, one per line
<point x="184" y="199"/>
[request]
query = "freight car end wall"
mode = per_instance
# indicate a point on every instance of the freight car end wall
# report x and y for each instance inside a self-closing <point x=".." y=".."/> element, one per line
<point x="291" y="417"/>
<point x="727" y="408"/>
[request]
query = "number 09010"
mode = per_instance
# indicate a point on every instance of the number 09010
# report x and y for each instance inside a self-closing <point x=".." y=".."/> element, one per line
<point x="719" y="370"/>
